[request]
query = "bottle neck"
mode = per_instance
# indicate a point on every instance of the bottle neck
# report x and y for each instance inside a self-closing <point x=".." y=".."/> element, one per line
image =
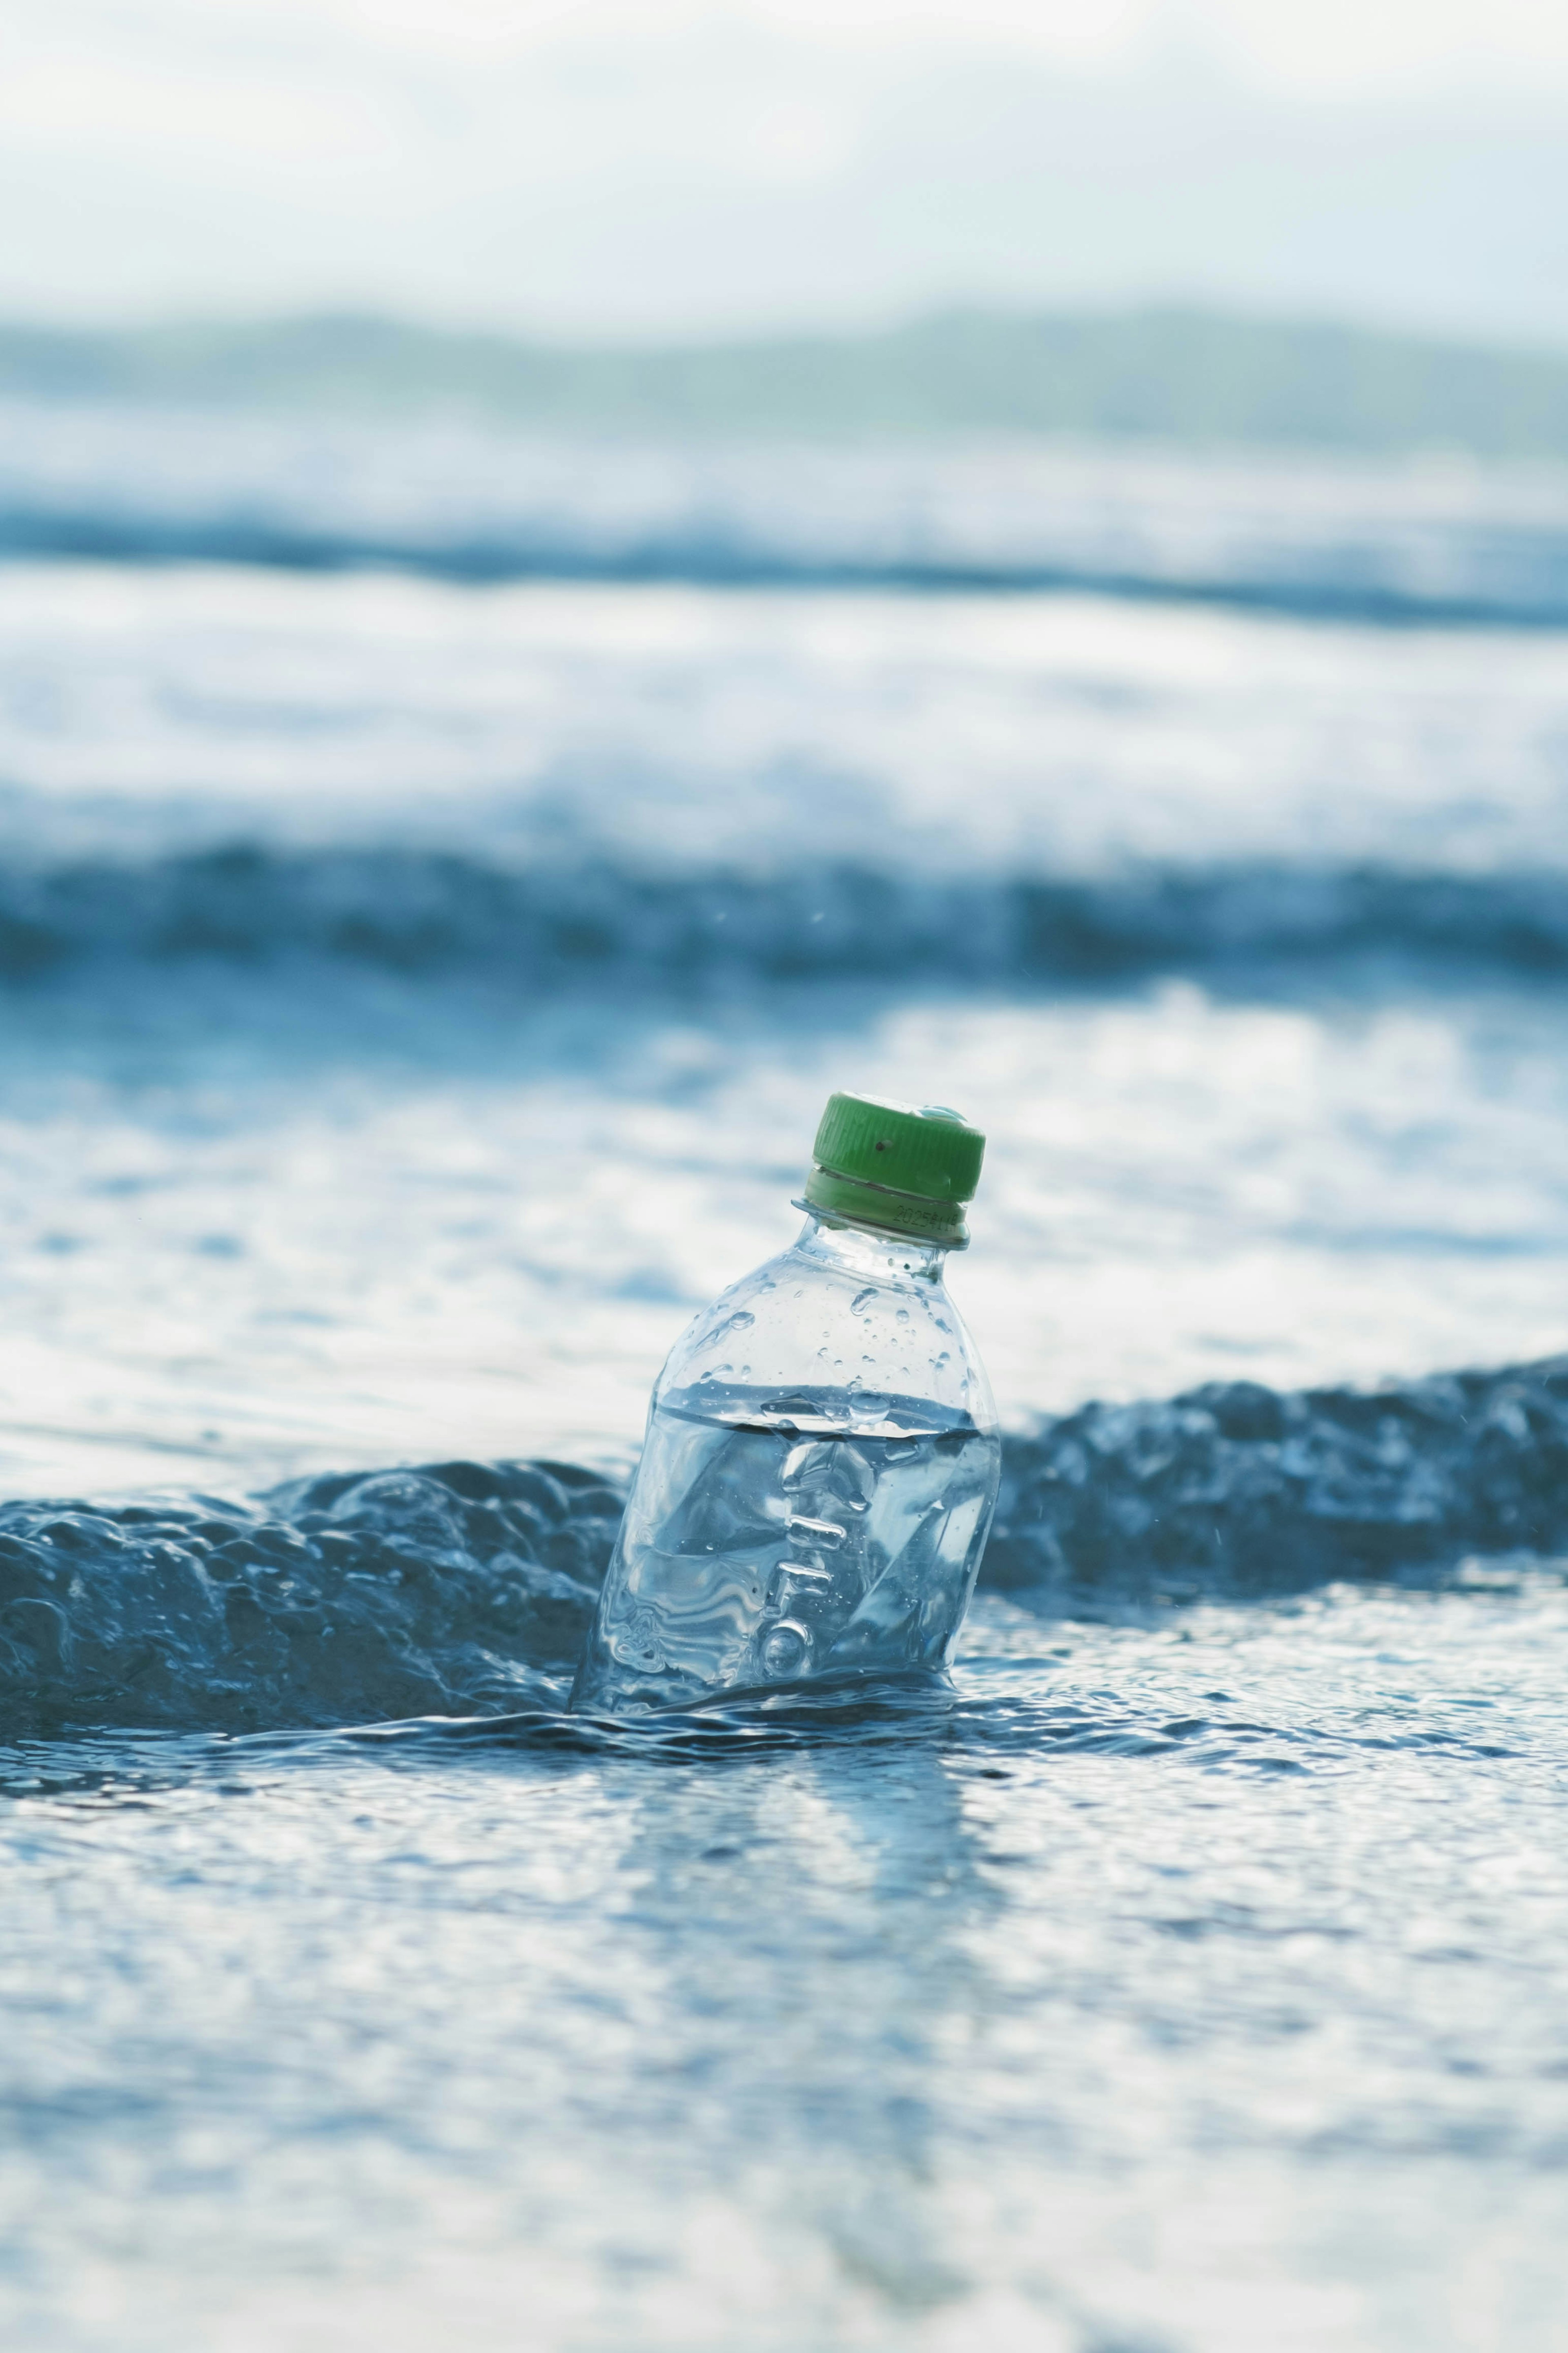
<point x="874" y="1255"/>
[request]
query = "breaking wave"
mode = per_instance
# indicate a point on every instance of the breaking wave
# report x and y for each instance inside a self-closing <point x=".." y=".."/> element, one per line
<point x="417" y="912"/>
<point x="454" y="1589"/>
<point x="1236" y="1487"/>
<point x="465" y="1590"/>
<point x="1518" y="584"/>
<point x="1321" y="539"/>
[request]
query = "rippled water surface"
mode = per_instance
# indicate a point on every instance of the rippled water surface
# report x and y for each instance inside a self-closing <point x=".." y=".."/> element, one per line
<point x="418" y="986"/>
<point x="1198" y="1979"/>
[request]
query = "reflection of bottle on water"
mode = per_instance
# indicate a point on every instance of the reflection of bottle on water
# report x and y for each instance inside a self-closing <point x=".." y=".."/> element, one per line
<point x="822" y="1453"/>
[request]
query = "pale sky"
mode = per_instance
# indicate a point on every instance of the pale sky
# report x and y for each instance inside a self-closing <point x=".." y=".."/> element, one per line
<point x="717" y="165"/>
<point x="1328" y="46"/>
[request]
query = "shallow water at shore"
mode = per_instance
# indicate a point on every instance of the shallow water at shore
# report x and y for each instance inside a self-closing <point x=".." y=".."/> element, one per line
<point x="1194" y="1979"/>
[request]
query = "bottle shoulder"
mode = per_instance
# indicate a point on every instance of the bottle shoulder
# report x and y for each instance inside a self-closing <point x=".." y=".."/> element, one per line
<point x="854" y="1322"/>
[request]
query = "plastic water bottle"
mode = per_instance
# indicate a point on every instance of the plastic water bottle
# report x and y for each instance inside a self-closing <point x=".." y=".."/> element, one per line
<point x="822" y="1452"/>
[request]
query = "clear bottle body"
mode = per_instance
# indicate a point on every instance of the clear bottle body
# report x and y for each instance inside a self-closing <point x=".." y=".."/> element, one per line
<point x="815" y="1487"/>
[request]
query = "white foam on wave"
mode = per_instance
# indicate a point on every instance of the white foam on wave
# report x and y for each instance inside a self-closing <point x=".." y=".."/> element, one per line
<point x="272" y="1229"/>
<point x="148" y="711"/>
<point x="1375" y="538"/>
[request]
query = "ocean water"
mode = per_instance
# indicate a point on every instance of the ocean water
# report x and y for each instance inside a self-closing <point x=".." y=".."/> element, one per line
<point x="441" y="882"/>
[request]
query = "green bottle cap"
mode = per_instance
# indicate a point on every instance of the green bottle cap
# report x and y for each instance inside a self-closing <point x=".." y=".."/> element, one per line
<point x="887" y="1165"/>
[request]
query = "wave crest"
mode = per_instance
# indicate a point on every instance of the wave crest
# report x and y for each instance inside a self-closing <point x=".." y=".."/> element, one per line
<point x="454" y="1589"/>
<point x="466" y="1590"/>
<point x="1237" y="1487"/>
<point x="429" y="912"/>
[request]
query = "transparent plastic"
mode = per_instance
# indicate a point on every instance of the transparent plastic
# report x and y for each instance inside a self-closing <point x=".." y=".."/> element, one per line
<point x="815" y="1487"/>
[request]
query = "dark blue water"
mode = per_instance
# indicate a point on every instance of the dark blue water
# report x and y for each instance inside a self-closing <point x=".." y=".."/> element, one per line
<point x="429" y="925"/>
